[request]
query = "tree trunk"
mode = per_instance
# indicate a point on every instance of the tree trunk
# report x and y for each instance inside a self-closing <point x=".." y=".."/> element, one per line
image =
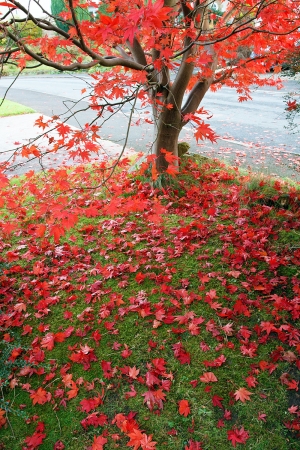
<point x="168" y="128"/>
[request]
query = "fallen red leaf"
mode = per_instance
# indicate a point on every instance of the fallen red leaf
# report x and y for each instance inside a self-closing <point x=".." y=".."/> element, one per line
<point x="238" y="436"/>
<point x="184" y="408"/>
<point x="99" y="442"/>
<point x="242" y="394"/>
<point x="208" y="377"/>
<point x="40" y="396"/>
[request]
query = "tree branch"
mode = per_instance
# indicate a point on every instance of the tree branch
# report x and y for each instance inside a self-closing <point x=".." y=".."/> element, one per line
<point x="123" y="52"/>
<point x="199" y="90"/>
<point x="184" y="74"/>
<point x="11" y="50"/>
<point x="76" y="25"/>
<point x="105" y="61"/>
<point x="187" y="12"/>
<point x="109" y="61"/>
<point x="6" y="14"/>
<point x="137" y="51"/>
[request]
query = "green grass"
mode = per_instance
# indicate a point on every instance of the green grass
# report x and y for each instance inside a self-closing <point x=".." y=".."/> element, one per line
<point x="141" y="284"/>
<point x="43" y="70"/>
<point x="10" y="70"/>
<point x="9" y="108"/>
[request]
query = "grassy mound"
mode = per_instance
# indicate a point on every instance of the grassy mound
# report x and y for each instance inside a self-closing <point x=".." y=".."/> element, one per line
<point x="165" y="318"/>
<point x="9" y="108"/>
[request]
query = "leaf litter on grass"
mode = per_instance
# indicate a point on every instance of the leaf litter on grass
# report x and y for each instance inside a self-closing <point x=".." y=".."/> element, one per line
<point x="149" y="318"/>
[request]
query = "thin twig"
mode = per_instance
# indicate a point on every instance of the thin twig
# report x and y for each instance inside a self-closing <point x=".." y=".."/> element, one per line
<point x="58" y="421"/>
<point x="6" y="415"/>
<point x="6" y="92"/>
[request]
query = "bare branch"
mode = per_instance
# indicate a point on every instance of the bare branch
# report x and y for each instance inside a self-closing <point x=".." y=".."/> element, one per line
<point x="6" y="92"/>
<point x="187" y="12"/>
<point x="100" y="60"/>
<point x="199" y="90"/>
<point x="137" y="51"/>
<point x="74" y="18"/>
<point x="6" y="14"/>
<point x="123" y="52"/>
<point x="184" y="74"/>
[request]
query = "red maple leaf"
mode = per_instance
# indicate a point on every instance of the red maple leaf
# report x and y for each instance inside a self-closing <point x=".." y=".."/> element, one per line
<point x="169" y="157"/>
<point x="293" y="384"/>
<point x="133" y="372"/>
<point x="193" y="445"/>
<point x="40" y="396"/>
<point x="216" y="362"/>
<point x="208" y="377"/>
<point x="184" y="408"/>
<point x="217" y="401"/>
<point x="9" y="5"/>
<point x="237" y="436"/>
<point x="108" y="371"/>
<point x="60" y="336"/>
<point x="181" y="354"/>
<point x="262" y="416"/>
<point x="160" y="364"/>
<point x="147" y="443"/>
<point x="37" y="438"/>
<point x="87" y="404"/>
<point x="127" y="352"/>
<point x="268" y="327"/>
<point x="48" y="341"/>
<point x="227" y="414"/>
<point x="154" y="398"/>
<point x="172" y="170"/>
<point x="204" y="131"/>
<point x="251" y="381"/>
<point x="291" y="105"/>
<point x="94" y="420"/>
<point x="135" y="438"/>
<point x="2" y="417"/>
<point x="73" y="392"/>
<point x="98" y="442"/>
<point x="293" y="409"/>
<point x="151" y="379"/>
<point x="131" y="393"/>
<point x="242" y="394"/>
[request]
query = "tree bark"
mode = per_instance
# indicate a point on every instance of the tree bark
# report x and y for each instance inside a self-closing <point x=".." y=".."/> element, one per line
<point x="168" y="128"/>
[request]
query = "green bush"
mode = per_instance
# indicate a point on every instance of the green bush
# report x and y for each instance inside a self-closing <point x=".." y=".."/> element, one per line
<point x="23" y="30"/>
<point x="29" y="29"/>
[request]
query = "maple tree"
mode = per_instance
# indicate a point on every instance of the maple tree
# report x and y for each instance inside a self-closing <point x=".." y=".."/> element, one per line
<point x="143" y="317"/>
<point x="163" y="53"/>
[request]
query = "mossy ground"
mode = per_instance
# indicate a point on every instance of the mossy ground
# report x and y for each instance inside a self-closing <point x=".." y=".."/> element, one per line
<point x="209" y="275"/>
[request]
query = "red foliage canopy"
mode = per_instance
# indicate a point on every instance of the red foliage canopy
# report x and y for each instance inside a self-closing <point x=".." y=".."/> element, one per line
<point x="166" y="53"/>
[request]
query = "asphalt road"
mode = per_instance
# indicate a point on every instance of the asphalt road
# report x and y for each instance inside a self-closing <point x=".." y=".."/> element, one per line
<point x="251" y="133"/>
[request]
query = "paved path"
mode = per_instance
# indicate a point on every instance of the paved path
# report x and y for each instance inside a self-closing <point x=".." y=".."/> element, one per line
<point x="230" y="117"/>
<point x="21" y="130"/>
